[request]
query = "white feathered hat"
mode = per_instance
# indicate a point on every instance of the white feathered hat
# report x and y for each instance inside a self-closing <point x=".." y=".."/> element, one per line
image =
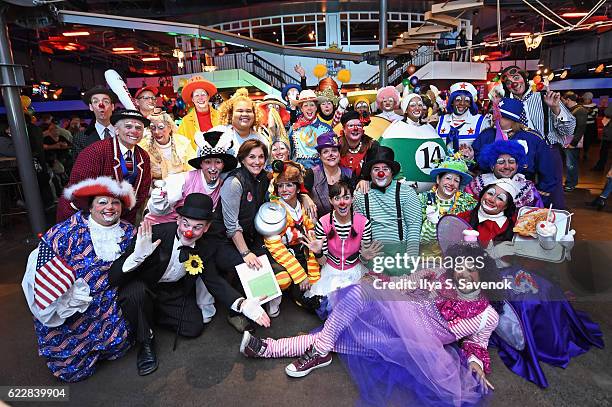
<point x="81" y="192"/>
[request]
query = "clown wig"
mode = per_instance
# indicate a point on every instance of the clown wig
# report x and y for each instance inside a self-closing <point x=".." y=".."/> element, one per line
<point x="491" y="152"/>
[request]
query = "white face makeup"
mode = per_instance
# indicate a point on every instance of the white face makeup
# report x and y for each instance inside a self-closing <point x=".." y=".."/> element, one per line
<point x="494" y="201"/>
<point x="105" y="210"/>
<point x="381" y="175"/>
<point x="211" y="168"/>
<point x="200" y="99"/>
<point x="130" y="132"/>
<point x="448" y="184"/>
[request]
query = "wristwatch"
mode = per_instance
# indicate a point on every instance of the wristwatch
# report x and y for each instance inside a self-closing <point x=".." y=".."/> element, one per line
<point x="244" y="253"/>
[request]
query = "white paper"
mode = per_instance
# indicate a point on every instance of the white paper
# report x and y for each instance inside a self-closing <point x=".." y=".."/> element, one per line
<point x="256" y="282"/>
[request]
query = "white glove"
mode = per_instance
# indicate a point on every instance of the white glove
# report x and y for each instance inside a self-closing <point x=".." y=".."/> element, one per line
<point x="251" y="309"/>
<point x="159" y="200"/>
<point x="497" y="251"/>
<point x="567" y="241"/>
<point x="343" y="103"/>
<point x="433" y="215"/>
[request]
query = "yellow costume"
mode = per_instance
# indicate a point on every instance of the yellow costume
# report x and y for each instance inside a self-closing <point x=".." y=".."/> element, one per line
<point x="189" y="126"/>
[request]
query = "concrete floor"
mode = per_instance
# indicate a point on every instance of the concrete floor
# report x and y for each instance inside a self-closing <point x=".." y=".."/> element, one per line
<point x="210" y="371"/>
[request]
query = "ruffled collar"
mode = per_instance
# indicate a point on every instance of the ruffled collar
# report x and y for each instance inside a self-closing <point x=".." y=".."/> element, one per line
<point x="455" y="306"/>
<point x="105" y="239"/>
<point x="500" y="218"/>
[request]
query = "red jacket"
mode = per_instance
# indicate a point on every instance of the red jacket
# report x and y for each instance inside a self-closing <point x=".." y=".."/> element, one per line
<point x="102" y="158"/>
<point x="488" y="230"/>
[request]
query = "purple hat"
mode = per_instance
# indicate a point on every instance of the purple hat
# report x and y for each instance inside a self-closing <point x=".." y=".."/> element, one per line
<point x="329" y="139"/>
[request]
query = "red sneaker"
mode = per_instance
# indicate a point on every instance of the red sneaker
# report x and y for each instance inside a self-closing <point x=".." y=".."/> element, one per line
<point x="251" y="346"/>
<point x="310" y="360"/>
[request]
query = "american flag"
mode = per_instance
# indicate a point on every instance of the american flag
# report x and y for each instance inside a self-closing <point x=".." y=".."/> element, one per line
<point x="53" y="276"/>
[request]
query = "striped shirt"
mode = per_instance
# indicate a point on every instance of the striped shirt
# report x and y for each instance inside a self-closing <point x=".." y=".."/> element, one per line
<point x="343" y="230"/>
<point x="559" y="127"/>
<point x="383" y="215"/>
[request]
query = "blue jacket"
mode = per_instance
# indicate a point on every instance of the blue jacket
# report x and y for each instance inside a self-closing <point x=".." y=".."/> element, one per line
<point x="539" y="167"/>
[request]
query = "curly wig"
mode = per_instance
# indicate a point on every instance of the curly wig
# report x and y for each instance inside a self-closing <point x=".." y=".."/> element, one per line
<point x="226" y="110"/>
<point x="491" y="152"/>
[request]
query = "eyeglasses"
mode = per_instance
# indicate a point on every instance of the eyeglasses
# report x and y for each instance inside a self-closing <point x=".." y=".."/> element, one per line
<point x="149" y="98"/>
<point x="502" y="161"/>
<point x="355" y="126"/>
<point x="160" y="126"/>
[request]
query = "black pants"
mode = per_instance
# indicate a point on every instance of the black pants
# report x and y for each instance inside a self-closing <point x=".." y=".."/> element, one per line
<point x="603" y="154"/>
<point x="590" y="137"/>
<point x="144" y="307"/>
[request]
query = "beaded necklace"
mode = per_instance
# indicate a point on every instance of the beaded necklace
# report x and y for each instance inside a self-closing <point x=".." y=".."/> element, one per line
<point x="433" y="200"/>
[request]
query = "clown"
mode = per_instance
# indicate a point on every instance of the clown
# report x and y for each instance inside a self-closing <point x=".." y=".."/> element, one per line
<point x="304" y="132"/>
<point x="294" y="265"/>
<point x="388" y="99"/>
<point x="462" y="124"/>
<point x="361" y="101"/>
<point x="445" y="197"/>
<point x="417" y="146"/>
<point x="505" y="159"/>
<point x="274" y="118"/>
<point x="289" y="93"/>
<point x="202" y="117"/>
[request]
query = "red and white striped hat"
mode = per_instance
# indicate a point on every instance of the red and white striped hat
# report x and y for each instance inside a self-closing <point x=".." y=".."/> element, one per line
<point x="81" y="192"/>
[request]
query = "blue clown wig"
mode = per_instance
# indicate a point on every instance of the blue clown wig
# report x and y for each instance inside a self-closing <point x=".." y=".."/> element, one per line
<point x="461" y="92"/>
<point x="491" y="152"/>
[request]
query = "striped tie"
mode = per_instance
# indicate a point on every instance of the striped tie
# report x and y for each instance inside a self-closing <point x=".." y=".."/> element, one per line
<point x="129" y="162"/>
<point x="107" y="133"/>
<point x="524" y="119"/>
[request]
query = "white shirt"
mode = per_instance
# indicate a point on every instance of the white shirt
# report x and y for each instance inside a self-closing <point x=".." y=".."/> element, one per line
<point x="124" y="150"/>
<point x="175" y="270"/>
<point x="100" y="129"/>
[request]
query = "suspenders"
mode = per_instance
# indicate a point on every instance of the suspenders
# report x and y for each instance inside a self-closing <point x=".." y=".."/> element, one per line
<point x="398" y="207"/>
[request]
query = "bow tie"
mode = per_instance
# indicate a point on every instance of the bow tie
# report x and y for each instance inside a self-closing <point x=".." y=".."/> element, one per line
<point x="186" y="251"/>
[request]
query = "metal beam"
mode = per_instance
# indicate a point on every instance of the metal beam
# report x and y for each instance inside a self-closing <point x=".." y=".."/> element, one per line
<point x="383" y="42"/>
<point x="132" y="23"/>
<point x="12" y="80"/>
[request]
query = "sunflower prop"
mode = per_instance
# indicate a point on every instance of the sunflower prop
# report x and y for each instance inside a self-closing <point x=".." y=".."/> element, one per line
<point x="194" y="265"/>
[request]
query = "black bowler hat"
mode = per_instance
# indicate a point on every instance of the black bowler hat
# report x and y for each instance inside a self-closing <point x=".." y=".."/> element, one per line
<point x="348" y="116"/>
<point x="381" y="155"/>
<point x="99" y="90"/>
<point x="129" y="114"/>
<point x="197" y="206"/>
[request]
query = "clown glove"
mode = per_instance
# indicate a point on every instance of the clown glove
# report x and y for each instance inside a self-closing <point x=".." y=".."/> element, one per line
<point x="433" y="215"/>
<point x="343" y="103"/>
<point x="502" y="249"/>
<point x="159" y="201"/>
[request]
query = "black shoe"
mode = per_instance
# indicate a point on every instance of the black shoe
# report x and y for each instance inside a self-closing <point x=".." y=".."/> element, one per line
<point x="599" y="203"/>
<point x="240" y="323"/>
<point x="147" y="360"/>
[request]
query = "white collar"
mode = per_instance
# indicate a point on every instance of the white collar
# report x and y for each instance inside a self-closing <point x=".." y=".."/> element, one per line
<point x="296" y="213"/>
<point x="105" y="239"/>
<point x="100" y="129"/>
<point x="500" y="218"/>
<point x="124" y="149"/>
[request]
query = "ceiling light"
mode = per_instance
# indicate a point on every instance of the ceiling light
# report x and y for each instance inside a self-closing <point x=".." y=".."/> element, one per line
<point x="123" y="49"/>
<point x="75" y="33"/>
<point x="150" y="59"/>
<point x="574" y="14"/>
<point x="599" y="68"/>
<point x="519" y="34"/>
<point x="563" y="74"/>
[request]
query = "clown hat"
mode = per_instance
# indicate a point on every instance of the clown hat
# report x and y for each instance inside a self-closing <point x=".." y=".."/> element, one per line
<point x="288" y="87"/>
<point x="80" y="193"/>
<point x="462" y="88"/>
<point x="306" y="95"/>
<point x="327" y="95"/>
<point x="456" y="165"/>
<point x="151" y="89"/>
<point x="512" y="109"/>
<point x="508" y="185"/>
<point x="367" y="96"/>
<point x="197" y="82"/>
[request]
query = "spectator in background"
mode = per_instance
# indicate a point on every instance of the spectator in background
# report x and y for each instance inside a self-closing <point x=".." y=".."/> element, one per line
<point x="574" y="142"/>
<point x="606" y="140"/>
<point x="600" y="201"/>
<point x="74" y="126"/>
<point x="462" y="42"/>
<point x="590" y="132"/>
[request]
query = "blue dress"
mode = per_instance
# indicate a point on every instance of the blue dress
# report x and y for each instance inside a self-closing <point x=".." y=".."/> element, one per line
<point x="73" y="348"/>
<point x="549" y="329"/>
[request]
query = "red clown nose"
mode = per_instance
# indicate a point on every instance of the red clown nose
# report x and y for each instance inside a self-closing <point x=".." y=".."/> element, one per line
<point x="101" y="106"/>
<point x="188" y="234"/>
<point x="381" y="174"/>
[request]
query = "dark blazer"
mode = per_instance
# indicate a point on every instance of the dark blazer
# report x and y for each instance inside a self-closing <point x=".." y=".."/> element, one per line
<point x="103" y="158"/>
<point x="154" y="267"/>
<point x="84" y="138"/>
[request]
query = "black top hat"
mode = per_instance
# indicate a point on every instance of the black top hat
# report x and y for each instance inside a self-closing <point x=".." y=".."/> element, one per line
<point x="99" y="90"/>
<point x="212" y="150"/>
<point x="381" y="154"/>
<point x="129" y="114"/>
<point x="197" y="206"/>
<point x="348" y="116"/>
